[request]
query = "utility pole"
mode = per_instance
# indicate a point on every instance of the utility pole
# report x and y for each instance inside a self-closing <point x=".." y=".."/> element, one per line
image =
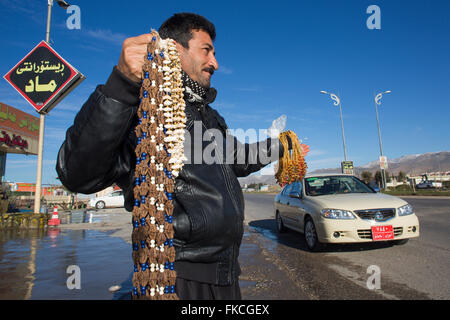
<point x="37" y="194"/>
<point x="337" y="102"/>
<point x="377" y="103"/>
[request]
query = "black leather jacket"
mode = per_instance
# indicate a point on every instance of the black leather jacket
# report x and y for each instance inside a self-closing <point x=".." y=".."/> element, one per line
<point x="208" y="203"/>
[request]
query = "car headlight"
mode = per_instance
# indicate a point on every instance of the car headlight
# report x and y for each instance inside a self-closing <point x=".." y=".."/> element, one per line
<point x="337" y="214"/>
<point x="405" y="210"/>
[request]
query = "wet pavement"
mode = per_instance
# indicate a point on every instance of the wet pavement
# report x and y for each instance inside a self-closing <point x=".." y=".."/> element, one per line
<point x="34" y="264"/>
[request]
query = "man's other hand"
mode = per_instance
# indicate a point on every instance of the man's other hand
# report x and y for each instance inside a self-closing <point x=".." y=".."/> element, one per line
<point x="134" y="51"/>
<point x="305" y="149"/>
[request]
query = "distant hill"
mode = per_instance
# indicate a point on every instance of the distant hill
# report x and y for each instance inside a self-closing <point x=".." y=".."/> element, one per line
<point x="414" y="164"/>
<point x="410" y="164"/>
<point x="256" y="178"/>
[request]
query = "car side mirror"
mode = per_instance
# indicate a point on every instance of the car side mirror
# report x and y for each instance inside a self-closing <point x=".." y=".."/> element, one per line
<point x="295" y="194"/>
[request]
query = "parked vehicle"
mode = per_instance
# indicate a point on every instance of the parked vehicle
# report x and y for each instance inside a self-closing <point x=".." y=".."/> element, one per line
<point x="113" y="199"/>
<point x="340" y="208"/>
<point x="428" y="185"/>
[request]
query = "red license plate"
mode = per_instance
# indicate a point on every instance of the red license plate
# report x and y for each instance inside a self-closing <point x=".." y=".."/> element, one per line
<point x="382" y="233"/>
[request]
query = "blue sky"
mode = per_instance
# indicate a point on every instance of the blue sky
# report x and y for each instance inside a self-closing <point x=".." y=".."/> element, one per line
<point x="274" y="58"/>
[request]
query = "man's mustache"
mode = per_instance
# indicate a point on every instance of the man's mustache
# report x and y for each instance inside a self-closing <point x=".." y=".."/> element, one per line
<point x="210" y="70"/>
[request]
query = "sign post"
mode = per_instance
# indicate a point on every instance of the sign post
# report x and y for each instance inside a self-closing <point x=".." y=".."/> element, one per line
<point x="43" y="78"/>
<point x="383" y="167"/>
<point x="347" y="167"/>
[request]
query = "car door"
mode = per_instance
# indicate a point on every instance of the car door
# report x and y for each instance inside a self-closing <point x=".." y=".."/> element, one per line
<point x="121" y="199"/>
<point x="296" y="209"/>
<point x="115" y="199"/>
<point x="283" y="200"/>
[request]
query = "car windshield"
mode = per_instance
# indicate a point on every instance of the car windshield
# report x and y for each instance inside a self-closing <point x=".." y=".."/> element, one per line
<point x="319" y="186"/>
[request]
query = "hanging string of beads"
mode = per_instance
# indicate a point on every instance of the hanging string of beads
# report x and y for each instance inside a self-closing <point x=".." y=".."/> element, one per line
<point x="292" y="166"/>
<point x="159" y="159"/>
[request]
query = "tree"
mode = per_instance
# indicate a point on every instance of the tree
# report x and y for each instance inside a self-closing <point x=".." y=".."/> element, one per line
<point x="378" y="178"/>
<point x="366" y="176"/>
<point x="401" y="176"/>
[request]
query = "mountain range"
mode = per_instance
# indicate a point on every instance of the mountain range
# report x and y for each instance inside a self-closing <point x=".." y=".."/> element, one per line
<point x="414" y="164"/>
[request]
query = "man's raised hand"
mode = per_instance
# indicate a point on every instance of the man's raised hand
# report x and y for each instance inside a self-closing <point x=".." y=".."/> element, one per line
<point x="134" y="51"/>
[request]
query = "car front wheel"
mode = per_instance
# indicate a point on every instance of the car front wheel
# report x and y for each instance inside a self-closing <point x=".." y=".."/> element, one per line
<point x="100" y="205"/>
<point x="311" y="238"/>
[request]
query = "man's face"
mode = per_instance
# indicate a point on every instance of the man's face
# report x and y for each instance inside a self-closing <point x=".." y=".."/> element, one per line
<point x="199" y="60"/>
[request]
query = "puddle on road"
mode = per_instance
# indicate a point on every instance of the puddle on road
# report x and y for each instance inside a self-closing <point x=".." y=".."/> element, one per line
<point x="85" y="216"/>
<point x="273" y="243"/>
<point x="33" y="264"/>
<point x="243" y="284"/>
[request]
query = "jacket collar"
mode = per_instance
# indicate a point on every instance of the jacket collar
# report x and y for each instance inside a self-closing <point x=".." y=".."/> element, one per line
<point x="195" y="93"/>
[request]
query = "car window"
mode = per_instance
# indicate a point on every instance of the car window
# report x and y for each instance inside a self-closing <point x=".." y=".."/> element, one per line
<point x="297" y="187"/>
<point x="287" y="190"/>
<point x="116" y="194"/>
<point x="325" y="185"/>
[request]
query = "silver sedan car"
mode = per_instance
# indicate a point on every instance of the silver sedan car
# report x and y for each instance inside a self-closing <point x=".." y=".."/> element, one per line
<point x="340" y="208"/>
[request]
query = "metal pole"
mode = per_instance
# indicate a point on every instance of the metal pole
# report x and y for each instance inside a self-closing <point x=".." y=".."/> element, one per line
<point x="343" y="136"/>
<point x="383" y="177"/>
<point x="49" y="19"/>
<point x="37" y="195"/>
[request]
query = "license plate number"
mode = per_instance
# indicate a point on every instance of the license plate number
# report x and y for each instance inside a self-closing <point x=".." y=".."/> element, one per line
<point x="382" y="233"/>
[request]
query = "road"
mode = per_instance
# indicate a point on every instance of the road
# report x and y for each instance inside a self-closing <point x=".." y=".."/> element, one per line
<point x="287" y="270"/>
<point x="274" y="267"/>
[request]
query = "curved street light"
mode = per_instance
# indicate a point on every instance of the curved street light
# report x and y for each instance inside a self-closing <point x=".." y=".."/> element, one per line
<point x="378" y="103"/>
<point x="337" y="102"/>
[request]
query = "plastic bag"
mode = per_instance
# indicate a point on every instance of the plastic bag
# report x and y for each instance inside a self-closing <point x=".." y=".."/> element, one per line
<point x="277" y="126"/>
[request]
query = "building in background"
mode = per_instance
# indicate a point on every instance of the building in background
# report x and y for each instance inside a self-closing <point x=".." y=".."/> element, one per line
<point x="19" y="133"/>
<point x="45" y="190"/>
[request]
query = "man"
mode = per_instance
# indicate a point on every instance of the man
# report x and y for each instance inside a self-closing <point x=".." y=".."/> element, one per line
<point x="208" y="204"/>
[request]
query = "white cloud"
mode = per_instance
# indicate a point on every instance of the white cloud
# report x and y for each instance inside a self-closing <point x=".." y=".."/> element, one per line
<point x="223" y="105"/>
<point x="107" y="35"/>
<point x="249" y="89"/>
<point x="224" y="70"/>
<point x="315" y="152"/>
<point x="28" y="163"/>
<point x="333" y="162"/>
<point x="55" y="133"/>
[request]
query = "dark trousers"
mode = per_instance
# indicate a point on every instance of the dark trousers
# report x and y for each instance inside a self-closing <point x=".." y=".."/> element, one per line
<point x="193" y="290"/>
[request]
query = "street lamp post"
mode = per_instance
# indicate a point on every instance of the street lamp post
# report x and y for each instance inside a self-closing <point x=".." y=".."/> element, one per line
<point x="378" y="103"/>
<point x="37" y="194"/>
<point x="337" y="102"/>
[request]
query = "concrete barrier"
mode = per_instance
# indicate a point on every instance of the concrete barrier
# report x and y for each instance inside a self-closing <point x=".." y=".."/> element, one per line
<point x="77" y="216"/>
<point x="23" y="220"/>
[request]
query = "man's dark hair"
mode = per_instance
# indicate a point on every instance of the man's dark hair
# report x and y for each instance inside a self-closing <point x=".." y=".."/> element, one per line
<point x="179" y="27"/>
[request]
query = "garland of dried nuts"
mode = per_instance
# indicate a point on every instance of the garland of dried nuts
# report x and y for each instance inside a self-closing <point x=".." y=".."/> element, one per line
<point x="292" y="166"/>
<point x="159" y="159"/>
